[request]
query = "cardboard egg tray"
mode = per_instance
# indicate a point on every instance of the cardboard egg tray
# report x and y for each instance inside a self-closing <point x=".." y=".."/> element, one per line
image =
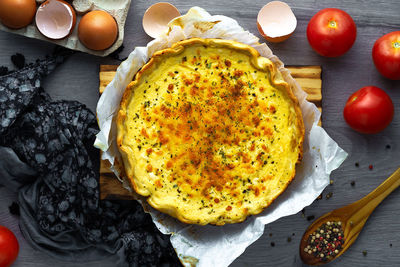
<point x="116" y="8"/>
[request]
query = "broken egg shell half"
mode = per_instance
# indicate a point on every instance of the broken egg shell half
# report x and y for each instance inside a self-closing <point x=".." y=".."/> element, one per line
<point x="55" y="19"/>
<point x="276" y="21"/>
<point x="157" y="17"/>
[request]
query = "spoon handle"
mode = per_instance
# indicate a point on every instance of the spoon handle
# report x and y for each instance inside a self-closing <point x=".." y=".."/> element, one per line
<point x="364" y="207"/>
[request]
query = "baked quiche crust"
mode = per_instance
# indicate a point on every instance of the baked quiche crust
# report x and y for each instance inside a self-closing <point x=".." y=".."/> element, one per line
<point x="209" y="131"/>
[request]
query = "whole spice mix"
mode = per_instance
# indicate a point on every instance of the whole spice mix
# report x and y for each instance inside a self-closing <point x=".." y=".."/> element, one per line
<point x="326" y="242"/>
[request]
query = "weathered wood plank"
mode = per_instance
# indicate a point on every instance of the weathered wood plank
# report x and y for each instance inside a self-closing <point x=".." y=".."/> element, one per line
<point x="312" y="72"/>
<point x="104" y="68"/>
<point x="105" y="78"/>
<point x="111" y="187"/>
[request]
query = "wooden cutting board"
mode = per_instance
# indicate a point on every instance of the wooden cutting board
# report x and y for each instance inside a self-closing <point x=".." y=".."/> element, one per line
<point x="309" y="78"/>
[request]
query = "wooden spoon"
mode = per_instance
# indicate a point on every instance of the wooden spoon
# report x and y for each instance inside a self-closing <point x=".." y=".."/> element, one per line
<point x="353" y="218"/>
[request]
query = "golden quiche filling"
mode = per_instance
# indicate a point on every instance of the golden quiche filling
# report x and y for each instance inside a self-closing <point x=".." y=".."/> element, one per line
<point x="209" y="131"/>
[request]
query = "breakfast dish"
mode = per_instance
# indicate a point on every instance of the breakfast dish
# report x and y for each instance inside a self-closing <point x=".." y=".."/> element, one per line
<point x="209" y="131"/>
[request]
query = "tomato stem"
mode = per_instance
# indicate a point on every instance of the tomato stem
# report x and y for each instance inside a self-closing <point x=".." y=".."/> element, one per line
<point x="332" y="24"/>
<point x="396" y="44"/>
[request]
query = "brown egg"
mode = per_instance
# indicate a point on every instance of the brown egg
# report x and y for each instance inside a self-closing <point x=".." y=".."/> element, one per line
<point x="97" y="30"/>
<point x="17" y="14"/>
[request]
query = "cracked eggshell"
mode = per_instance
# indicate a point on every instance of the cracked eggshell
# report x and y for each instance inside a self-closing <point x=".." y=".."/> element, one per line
<point x="55" y="19"/>
<point x="157" y="17"/>
<point x="82" y="7"/>
<point x="276" y="21"/>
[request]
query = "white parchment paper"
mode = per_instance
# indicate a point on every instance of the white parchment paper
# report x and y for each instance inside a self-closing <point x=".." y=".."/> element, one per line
<point x="220" y="245"/>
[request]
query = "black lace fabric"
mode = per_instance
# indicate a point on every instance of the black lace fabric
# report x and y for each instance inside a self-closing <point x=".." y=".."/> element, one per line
<point x="47" y="152"/>
<point x="18" y="88"/>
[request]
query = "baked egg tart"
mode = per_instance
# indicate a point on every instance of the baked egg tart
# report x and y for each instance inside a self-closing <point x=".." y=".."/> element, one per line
<point x="209" y="131"/>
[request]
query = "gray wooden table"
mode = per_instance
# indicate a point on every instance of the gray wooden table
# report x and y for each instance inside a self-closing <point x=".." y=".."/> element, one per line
<point x="77" y="79"/>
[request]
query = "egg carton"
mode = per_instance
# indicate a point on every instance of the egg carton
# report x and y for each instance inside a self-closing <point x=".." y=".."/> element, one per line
<point x="116" y="8"/>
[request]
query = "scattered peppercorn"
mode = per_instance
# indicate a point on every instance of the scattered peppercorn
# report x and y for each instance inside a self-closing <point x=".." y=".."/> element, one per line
<point x="293" y="234"/>
<point x="311" y="217"/>
<point x="289" y="239"/>
<point x="14" y="208"/>
<point x="270" y="234"/>
<point x="388" y="146"/>
<point x="353" y="183"/>
<point x="329" y="195"/>
<point x="357" y="164"/>
<point x="3" y="70"/>
<point x="319" y="197"/>
<point x="18" y="60"/>
<point x="390" y="245"/>
<point x="272" y="244"/>
<point x="325" y="242"/>
<point x="370" y="167"/>
<point x="364" y="253"/>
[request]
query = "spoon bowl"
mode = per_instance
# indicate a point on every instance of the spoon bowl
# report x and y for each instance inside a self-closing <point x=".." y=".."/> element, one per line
<point x="352" y="217"/>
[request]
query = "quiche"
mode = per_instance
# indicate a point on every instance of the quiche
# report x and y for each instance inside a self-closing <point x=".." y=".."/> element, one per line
<point x="209" y="131"/>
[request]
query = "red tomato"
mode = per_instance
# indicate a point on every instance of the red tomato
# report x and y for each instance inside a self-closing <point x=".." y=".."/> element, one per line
<point x="8" y="247"/>
<point x="331" y="32"/>
<point x="386" y="55"/>
<point x="369" y="110"/>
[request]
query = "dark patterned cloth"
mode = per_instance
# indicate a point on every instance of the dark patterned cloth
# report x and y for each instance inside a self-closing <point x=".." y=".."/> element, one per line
<point x="47" y="153"/>
<point x="17" y="89"/>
